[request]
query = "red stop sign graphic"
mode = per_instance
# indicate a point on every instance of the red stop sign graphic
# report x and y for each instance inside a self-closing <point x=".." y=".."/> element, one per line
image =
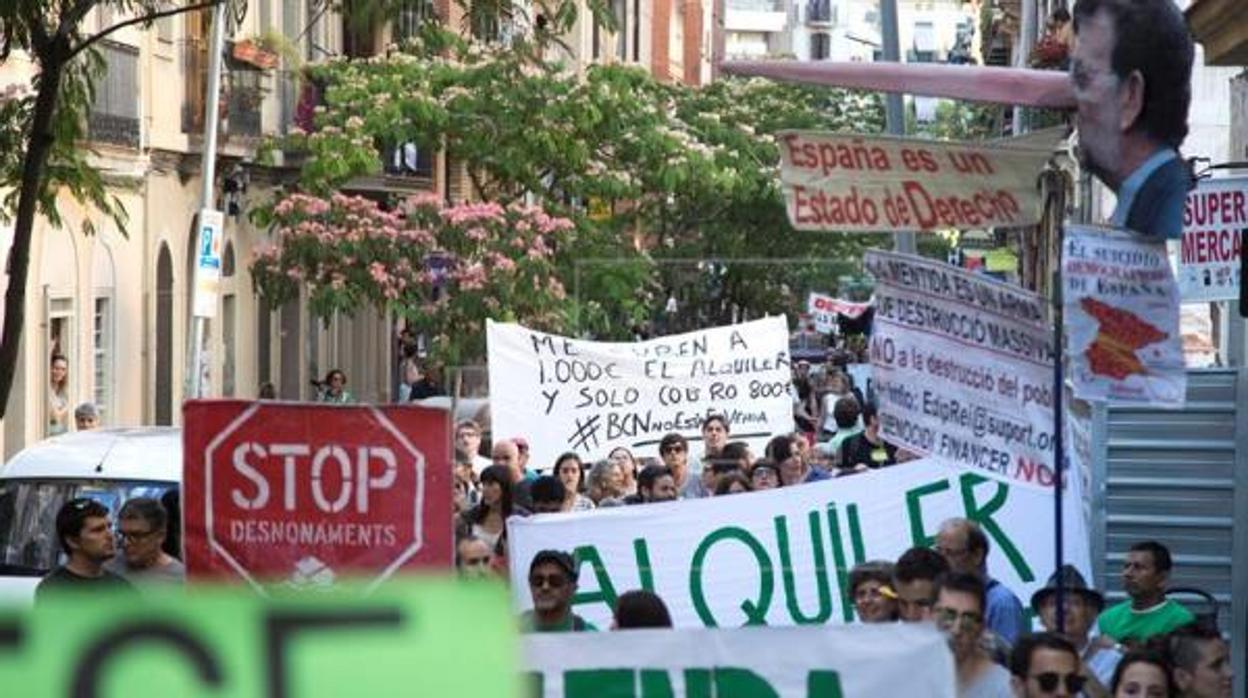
<point x="311" y="494"/>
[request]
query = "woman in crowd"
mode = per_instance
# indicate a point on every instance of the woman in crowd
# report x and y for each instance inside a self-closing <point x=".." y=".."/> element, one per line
<point x="606" y="484"/>
<point x="623" y="458"/>
<point x="1142" y="674"/>
<point x="732" y="483"/>
<point x="488" y="519"/>
<point x="571" y="472"/>
<point x="870" y="586"/>
<point x="58" y="396"/>
<point x="334" y="389"/>
<point x="764" y="475"/>
<point x="640" y="609"/>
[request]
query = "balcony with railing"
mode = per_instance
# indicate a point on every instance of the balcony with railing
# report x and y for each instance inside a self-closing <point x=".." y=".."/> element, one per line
<point x="114" y="114"/>
<point x="242" y="94"/>
<point x="820" y="13"/>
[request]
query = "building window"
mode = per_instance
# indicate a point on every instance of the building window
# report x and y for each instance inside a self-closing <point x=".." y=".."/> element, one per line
<point x="244" y="102"/>
<point x="114" y="116"/>
<point x="619" y="8"/>
<point x="411" y="15"/>
<point x="102" y="358"/>
<point x="820" y="46"/>
<point x="924" y="43"/>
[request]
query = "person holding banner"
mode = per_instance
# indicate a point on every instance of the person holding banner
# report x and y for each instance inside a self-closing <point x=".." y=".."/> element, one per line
<point x="552" y="583"/>
<point x="1132" y="70"/>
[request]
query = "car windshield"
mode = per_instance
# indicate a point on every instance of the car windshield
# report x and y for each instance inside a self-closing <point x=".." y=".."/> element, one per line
<point x="28" y="543"/>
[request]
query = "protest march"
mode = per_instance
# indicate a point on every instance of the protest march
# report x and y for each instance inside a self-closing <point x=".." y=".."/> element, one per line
<point x="751" y="399"/>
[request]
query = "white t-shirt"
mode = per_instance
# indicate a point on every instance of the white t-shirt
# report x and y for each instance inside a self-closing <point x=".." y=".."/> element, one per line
<point x="480" y="463"/>
<point x="829" y="402"/>
<point x="993" y="683"/>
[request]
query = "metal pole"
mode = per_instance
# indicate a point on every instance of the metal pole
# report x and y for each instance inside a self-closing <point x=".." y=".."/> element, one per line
<point x="1058" y="446"/>
<point x="894" y="107"/>
<point x="216" y="47"/>
<point x="1027" y="36"/>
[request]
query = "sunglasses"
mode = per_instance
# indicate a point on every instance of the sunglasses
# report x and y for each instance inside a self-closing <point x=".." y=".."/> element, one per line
<point x="476" y="561"/>
<point x="1049" y="680"/>
<point x="947" y="618"/>
<point x="554" y="581"/>
<point x="672" y="449"/>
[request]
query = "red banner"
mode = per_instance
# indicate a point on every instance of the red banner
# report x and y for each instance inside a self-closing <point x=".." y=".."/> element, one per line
<point x="306" y="494"/>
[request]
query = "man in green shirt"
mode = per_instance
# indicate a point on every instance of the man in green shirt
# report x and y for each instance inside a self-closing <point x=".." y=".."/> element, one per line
<point x="1148" y="613"/>
<point x="552" y="583"/>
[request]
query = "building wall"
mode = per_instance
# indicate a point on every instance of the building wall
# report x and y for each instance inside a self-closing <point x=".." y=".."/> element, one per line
<point x="159" y="184"/>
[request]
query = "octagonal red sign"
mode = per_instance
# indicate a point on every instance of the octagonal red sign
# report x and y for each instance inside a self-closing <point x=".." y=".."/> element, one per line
<point x="306" y="494"/>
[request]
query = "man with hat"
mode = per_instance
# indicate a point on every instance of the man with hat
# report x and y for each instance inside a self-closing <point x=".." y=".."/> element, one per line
<point x="552" y="584"/>
<point x="1080" y="606"/>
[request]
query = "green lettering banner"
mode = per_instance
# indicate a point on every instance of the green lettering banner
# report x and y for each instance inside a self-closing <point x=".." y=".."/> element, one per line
<point x="783" y="556"/>
<point x="789" y="662"/>
<point x="406" y="639"/>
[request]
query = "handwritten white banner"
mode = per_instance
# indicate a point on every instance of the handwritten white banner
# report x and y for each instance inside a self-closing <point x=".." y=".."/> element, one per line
<point x="565" y="394"/>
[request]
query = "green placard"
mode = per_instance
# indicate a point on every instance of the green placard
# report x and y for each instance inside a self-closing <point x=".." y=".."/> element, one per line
<point x="436" y="637"/>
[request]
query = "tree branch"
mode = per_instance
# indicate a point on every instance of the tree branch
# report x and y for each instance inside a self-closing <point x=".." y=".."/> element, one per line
<point x="142" y="20"/>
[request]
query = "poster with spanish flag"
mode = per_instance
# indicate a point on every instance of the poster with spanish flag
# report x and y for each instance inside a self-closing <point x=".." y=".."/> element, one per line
<point x="1122" y="319"/>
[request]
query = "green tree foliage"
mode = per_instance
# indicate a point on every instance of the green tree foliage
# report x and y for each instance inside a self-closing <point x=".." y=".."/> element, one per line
<point x="658" y="177"/>
<point x="42" y="130"/>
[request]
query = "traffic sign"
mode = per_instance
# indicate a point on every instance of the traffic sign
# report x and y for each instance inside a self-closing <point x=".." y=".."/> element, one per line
<point x="208" y="263"/>
<point x="308" y="494"/>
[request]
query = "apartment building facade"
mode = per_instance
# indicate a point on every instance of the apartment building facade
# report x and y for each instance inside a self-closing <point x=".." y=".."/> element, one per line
<point x="116" y="305"/>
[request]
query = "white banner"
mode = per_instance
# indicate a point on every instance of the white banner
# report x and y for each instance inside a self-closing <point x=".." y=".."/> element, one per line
<point x="1122" y="319"/>
<point x="783" y="556"/>
<point x="1215" y="217"/>
<point x="853" y="183"/>
<point x="565" y="394"/>
<point x="740" y="662"/>
<point x="823" y="310"/>
<point x="963" y="366"/>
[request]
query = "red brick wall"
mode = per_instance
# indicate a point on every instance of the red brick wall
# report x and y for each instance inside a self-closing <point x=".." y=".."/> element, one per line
<point x="661" y="40"/>
<point x="693" y="42"/>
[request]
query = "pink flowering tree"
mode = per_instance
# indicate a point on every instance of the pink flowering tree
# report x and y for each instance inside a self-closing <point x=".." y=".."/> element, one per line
<point x="443" y="268"/>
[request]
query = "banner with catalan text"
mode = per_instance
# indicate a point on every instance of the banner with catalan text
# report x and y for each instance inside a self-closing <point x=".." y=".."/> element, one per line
<point x="963" y="367"/>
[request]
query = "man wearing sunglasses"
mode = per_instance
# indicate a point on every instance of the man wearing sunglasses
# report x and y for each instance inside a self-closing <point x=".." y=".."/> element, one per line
<point x="959" y="613"/>
<point x="141" y="529"/>
<point x="1045" y="665"/>
<point x="552" y="584"/>
<point x="86" y="537"/>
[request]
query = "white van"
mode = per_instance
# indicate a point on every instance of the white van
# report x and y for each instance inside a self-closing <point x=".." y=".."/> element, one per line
<point x="107" y="465"/>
